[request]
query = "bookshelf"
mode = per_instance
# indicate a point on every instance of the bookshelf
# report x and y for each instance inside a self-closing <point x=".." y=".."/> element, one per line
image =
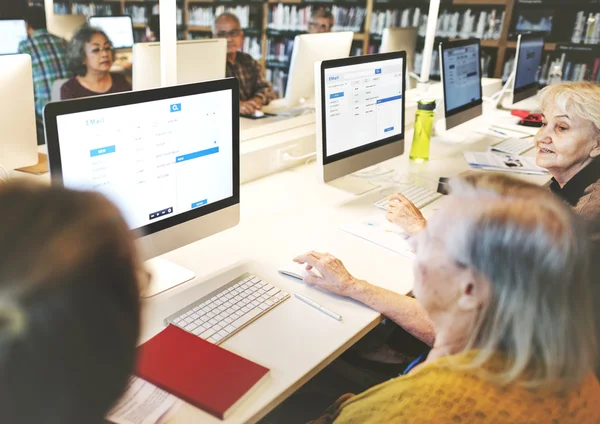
<point x="271" y="25"/>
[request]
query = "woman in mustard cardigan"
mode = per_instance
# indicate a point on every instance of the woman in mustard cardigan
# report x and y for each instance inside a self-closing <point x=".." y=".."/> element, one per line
<point x="504" y="279"/>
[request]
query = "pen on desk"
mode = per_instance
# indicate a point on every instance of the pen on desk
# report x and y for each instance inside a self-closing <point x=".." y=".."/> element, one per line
<point x="291" y="275"/>
<point x="319" y="307"/>
<point x="497" y="131"/>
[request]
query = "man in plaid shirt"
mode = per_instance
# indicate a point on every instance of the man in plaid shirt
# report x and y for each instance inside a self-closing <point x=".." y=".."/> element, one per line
<point x="48" y="60"/>
<point x="255" y="90"/>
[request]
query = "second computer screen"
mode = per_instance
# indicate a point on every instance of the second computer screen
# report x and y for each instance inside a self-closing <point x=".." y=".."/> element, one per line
<point x="530" y="57"/>
<point x="462" y="76"/>
<point x="13" y="32"/>
<point x="363" y="104"/>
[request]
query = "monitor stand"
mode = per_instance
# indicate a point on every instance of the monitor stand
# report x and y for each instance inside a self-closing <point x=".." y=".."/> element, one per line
<point x="165" y="276"/>
<point x="354" y="185"/>
<point x="498" y="98"/>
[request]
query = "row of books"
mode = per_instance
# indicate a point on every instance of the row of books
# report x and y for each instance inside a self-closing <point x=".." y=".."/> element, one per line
<point x="141" y="14"/>
<point x="279" y="50"/>
<point x="88" y="9"/>
<point x="205" y="16"/>
<point x="278" y="78"/>
<point x="483" y="25"/>
<point x="586" y="29"/>
<point x="575" y="69"/>
<point x="252" y="46"/>
<point x="284" y="17"/>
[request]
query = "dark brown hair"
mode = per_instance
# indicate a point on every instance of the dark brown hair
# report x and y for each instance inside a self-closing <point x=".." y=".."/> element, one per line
<point x="69" y="305"/>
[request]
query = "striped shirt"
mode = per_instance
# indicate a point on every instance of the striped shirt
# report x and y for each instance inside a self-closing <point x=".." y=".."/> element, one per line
<point x="252" y="83"/>
<point x="49" y="62"/>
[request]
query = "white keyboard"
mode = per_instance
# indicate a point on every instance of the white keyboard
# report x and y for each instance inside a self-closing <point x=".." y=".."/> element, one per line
<point x="224" y="312"/>
<point x="419" y="196"/>
<point x="513" y="146"/>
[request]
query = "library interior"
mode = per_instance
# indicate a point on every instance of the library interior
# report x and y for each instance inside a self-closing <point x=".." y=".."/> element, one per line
<point x="300" y="211"/>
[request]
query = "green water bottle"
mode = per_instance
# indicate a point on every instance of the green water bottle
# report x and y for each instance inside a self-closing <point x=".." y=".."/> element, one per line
<point x="419" y="151"/>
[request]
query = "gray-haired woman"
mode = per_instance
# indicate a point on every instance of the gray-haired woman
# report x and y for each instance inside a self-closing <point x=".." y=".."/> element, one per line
<point x="90" y="56"/>
<point x="502" y="273"/>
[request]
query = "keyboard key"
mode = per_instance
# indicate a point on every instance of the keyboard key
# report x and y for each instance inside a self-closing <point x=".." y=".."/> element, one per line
<point x="208" y="333"/>
<point x="211" y="340"/>
<point x="228" y="320"/>
<point x="213" y="321"/>
<point x="246" y="318"/>
<point x="194" y="316"/>
<point x="198" y="331"/>
<point x="273" y="291"/>
<point x="217" y="337"/>
<point x="188" y="320"/>
<point x="206" y="325"/>
<point x="223" y="333"/>
<point x="176" y="320"/>
<point x="262" y="306"/>
<point x="230" y="328"/>
<point x="217" y="327"/>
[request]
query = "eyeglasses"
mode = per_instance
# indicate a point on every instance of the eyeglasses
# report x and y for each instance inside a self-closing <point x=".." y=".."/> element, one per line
<point x="97" y="50"/>
<point x="227" y="34"/>
<point x="316" y="25"/>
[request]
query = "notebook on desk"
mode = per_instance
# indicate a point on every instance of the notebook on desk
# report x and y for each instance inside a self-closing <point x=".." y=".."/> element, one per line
<point x="198" y="372"/>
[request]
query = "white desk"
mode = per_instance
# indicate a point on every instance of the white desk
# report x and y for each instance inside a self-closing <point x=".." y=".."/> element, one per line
<point x="283" y="215"/>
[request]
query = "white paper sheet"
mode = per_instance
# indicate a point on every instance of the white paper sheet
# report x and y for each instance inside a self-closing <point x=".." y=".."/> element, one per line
<point x="497" y="161"/>
<point x="143" y="403"/>
<point x="377" y="229"/>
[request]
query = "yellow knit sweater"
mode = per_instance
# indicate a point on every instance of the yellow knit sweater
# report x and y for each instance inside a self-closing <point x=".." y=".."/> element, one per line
<point x="438" y="394"/>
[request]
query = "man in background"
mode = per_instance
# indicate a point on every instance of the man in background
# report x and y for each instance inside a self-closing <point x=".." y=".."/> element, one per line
<point x="48" y="60"/>
<point x="255" y="90"/>
<point x="321" y="20"/>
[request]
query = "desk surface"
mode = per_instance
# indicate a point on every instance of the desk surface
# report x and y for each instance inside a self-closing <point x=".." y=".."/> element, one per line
<point x="283" y="215"/>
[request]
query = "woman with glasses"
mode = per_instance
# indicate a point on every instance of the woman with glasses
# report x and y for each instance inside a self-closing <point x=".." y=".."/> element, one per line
<point x="321" y="21"/>
<point x="90" y="56"/>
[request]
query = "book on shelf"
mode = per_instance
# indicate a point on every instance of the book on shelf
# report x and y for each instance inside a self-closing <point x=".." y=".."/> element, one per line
<point x="285" y="17"/>
<point x="140" y="14"/>
<point x="252" y="47"/>
<point x="92" y="9"/>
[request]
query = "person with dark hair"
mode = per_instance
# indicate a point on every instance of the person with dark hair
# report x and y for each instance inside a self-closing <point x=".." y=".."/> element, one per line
<point x="69" y="305"/>
<point x="48" y="61"/>
<point x="255" y="90"/>
<point x="321" y="20"/>
<point x="90" y="57"/>
<point x="152" y="30"/>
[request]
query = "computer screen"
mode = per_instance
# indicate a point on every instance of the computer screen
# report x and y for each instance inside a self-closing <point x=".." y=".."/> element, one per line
<point x="12" y="32"/>
<point x="461" y="75"/>
<point x="154" y="158"/>
<point x="530" y="50"/>
<point x="363" y="105"/>
<point x="119" y="29"/>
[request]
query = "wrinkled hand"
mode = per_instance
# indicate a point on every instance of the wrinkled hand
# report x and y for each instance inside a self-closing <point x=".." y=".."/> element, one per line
<point x="405" y="214"/>
<point x="336" y="278"/>
<point x="250" y="106"/>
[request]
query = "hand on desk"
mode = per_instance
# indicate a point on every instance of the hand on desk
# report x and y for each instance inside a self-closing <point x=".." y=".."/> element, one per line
<point x="250" y="106"/>
<point x="336" y="278"/>
<point x="405" y="214"/>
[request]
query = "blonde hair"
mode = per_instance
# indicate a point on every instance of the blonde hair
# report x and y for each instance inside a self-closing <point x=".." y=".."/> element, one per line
<point x="534" y="252"/>
<point x="581" y="98"/>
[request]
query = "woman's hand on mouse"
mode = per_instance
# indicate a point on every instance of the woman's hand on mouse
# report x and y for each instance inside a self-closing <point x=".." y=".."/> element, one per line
<point x="335" y="277"/>
<point x="405" y="214"/>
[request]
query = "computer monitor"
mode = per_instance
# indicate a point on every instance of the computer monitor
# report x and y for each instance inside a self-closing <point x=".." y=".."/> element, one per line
<point x="12" y="32"/>
<point x="530" y="48"/>
<point x="360" y="114"/>
<point x="18" y="137"/>
<point x="64" y="26"/>
<point x="168" y="158"/>
<point x="197" y="60"/>
<point x="401" y="39"/>
<point x="119" y="29"/>
<point x="309" y="49"/>
<point x="461" y="79"/>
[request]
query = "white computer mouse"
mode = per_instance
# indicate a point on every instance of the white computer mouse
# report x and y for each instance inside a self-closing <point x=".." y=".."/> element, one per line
<point x="298" y="271"/>
<point x="258" y="114"/>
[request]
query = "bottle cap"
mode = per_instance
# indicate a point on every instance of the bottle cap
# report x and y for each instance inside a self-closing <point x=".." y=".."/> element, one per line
<point x="426" y="104"/>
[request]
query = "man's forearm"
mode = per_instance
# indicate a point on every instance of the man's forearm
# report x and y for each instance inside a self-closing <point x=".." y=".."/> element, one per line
<point x="403" y="310"/>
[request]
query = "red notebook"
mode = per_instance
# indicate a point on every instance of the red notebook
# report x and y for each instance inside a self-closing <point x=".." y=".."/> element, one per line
<point x="196" y="371"/>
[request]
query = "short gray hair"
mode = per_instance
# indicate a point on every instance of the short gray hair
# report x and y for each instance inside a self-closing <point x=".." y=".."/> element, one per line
<point x="76" y="48"/>
<point x="227" y="16"/>
<point x="534" y="252"/>
<point x="581" y="98"/>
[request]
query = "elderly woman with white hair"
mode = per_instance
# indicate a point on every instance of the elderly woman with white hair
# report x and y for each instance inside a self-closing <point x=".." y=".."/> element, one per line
<point x="502" y="272"/>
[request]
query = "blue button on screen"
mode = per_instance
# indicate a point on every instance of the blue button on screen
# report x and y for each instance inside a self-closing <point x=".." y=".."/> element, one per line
<point x="176" y="107"/>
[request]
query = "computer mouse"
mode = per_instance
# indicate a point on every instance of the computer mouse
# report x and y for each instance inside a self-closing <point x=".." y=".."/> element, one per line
<point x="297" y="271"/>
<point x="258" y="114"/>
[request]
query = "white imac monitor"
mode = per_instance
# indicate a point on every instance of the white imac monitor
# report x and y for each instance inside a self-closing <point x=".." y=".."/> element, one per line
<point x="309" y="49"/>
<point x="119" y="29"/>
<point x="360" y="115"/>
<point x="530" y="48"/>
<point x="18" y="136"/>
<point x="461" y="80"/>
<point x="197" y="60"/>
<point x="12" y="32"/>
<point x="401" y="39"/>
<point x="168" y="158"/>
<point x="65" y="26"/>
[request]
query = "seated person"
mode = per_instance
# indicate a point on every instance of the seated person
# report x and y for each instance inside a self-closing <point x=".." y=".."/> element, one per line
<point x="255" y="90"/>
<point x="505" y="281"/>
<point x="48" y="61"/>
<point x="69" y="311"/>
<point x="321" y="20"/>
<point x="91" y="55"/>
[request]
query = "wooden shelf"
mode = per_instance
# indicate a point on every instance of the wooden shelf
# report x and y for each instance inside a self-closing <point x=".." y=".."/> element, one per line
<point x="139" y="26"/>
<point x="199" y="28"/>
<point x="480" y="2"/>
<point x="359" y="36"/>
<point x="549" y="47"/>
